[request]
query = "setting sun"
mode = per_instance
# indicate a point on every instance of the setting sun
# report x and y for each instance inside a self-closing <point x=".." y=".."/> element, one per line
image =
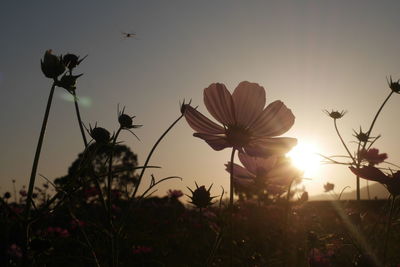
<point x="305" y="158"/>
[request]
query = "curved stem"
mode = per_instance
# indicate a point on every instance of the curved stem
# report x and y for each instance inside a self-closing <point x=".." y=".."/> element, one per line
<point x="151" y="153"/>
<point x="37" y="153"/>
<point x="78" y="115"/>
<point x="344" y="144"/>
<point x="34" y="170"/>
<point x="376" y="116"/>
<point x="231" y="206"/>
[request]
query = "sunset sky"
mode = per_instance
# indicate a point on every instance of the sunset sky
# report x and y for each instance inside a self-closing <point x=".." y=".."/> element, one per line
<point x="312" y="55"/>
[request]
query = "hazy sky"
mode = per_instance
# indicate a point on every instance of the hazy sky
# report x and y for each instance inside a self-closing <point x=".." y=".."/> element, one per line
<point x="313" y="55"/>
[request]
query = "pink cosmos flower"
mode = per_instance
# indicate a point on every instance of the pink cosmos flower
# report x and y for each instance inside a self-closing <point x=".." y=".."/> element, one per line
<point x="372" y="156"/>
<point x="246" y="124"/>
<point x="273" y="174"/>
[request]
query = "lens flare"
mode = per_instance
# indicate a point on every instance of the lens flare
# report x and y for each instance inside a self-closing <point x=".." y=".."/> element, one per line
<point x="304" y="157"/>
<point x="82" y="100"/>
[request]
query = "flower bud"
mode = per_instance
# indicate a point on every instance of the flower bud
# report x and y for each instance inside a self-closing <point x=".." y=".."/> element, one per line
<point x="68" y="82"/>
<point x="334" y="114"/>
<point x="71" y="61"/>
<point x="100" y="135"/>
<point x="52" y="66"/>
<point x="394" y="86"/>
<point x="201" y="197"/>
<point x="125" y="120"/>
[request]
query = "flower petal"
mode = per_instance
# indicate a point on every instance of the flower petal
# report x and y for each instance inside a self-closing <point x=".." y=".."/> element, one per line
<point x="216" y="142"/>
<point x="275" y="120"/>
<point x="249" y="101"/>
<point x="238" y="171"/>
<point x="371" y="173"/>
<point x="270" y="146"/>
<point x="257" y="165"/>
<point x="201" y="123"/>
<point x="219" y="103"/>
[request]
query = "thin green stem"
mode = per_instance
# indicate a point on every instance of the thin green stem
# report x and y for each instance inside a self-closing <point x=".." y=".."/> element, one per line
<point x="151" y="153"/>
<point x="231" y="206"/>
<point x="78" y="115"/>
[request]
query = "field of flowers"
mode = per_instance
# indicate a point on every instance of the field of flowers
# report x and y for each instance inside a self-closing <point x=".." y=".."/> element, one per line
<point x="100" y="214"/>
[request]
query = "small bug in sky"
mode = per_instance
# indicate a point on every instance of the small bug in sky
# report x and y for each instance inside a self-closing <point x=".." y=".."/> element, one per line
<point x="129" y="35"/>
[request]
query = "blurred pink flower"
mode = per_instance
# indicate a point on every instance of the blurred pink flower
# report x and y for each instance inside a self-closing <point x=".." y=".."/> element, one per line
<point x="141" y="250"/>
<point x="372" y="156"/>
<point x="174" y="193"/>
<point x="273" y="173"/>
<point x="15" y="251"/>
<point x="246" y="124"/>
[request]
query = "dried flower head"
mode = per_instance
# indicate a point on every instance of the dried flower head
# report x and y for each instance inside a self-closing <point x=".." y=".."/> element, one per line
<point x="52" y="66"/>
<point x="328" y="187"/>
<point x="361" y="136"/>
<point x="394" y="86"/>
<point x="334" y="114"/>
<point x="68" y="82"/>
<point x="71" y="61"/>
<point x="201" y="196"/>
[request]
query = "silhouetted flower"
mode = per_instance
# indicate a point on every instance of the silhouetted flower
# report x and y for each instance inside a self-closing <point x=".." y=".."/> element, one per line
<point x="394" y="86"/>
<point x="328" y="187"/>
<point x="273" y="174"/>
<point x="68" y="82"/>
<point x="52" y="66"/>
<point x="7" y="195"/>
<point x="372" y="156"/>
<point x="334" y="114"/>
<point x="247" y="125"/>
<point x="71" y="61"/>
<point x="392" y="181"/>
<point x="201" y="197"/>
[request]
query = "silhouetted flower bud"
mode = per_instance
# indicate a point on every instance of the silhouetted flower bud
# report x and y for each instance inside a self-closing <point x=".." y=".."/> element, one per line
<point x="100" y="135"/>
<point x="125" y="120"/>
<point x="394" y="86"/>
<point x="71" y="61"/>
<point x="334" y="114"/>
<point x="68" y="82"/>
<point x="7" y="195"/>
<point x="201" y="197"/>
<point x="52" y="66"/>
<point x="184" y="105"/>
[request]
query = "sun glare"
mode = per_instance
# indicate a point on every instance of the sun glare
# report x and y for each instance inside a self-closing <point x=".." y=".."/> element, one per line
<point x="305" y="158"/>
